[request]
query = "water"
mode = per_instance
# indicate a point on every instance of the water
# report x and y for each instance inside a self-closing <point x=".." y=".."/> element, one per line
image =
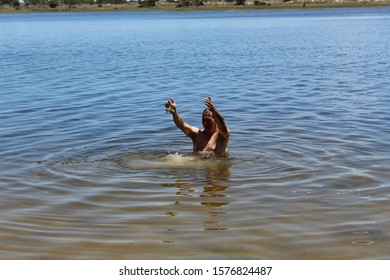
<point x="92" y="167"/>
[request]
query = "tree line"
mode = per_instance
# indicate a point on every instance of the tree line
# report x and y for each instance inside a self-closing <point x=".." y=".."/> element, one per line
<point x="66" y="2"/>
<point x="142" y="3"/>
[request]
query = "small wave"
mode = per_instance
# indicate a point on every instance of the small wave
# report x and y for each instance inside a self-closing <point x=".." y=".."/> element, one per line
<point x="94" y="163"/>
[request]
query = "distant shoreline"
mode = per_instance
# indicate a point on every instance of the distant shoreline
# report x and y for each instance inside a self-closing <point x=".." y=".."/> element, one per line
<point x="208" y="6"/>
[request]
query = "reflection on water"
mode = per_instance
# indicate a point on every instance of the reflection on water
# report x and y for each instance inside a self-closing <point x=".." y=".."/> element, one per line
<point x="213" y="197"/>
<point x="212" y="172"/>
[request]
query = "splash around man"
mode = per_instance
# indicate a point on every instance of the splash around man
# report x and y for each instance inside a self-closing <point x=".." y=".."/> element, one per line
<point x="213" y="139"/>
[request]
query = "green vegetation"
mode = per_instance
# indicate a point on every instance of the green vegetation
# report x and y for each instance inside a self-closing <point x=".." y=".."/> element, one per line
<point x="260" y="3"/>
<point x="53" y="3"/>
<point x="147" y="3"/>
<point x="59" y="2"/>
<point x="16" y="3"/>
<point x="10" y="6"/>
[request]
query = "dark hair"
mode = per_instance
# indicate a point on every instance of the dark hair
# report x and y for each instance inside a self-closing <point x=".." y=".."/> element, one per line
<point x="207" y="111"/>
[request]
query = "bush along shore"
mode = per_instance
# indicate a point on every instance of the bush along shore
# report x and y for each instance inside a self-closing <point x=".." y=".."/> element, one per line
<point x="19" y="6"/>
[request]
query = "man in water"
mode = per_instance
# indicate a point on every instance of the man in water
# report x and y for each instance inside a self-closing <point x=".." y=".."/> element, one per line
<point x="213" y="139"/>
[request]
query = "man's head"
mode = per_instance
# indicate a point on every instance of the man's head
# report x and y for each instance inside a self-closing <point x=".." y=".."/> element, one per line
<point x="208" y="120"/>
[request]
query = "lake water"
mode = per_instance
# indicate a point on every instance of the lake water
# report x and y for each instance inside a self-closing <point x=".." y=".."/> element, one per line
<point x="92" y="167"/>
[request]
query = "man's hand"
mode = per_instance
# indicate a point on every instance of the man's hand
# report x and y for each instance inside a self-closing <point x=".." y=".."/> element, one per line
<point x="170" y="106"/>
<point x="209" y="104"/>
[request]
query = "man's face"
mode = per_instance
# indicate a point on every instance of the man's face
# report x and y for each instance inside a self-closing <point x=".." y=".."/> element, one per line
<point x="208" y="120"/>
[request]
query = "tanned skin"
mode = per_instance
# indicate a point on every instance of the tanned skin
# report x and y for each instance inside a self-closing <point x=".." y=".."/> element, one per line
<point x="213" y="138"/>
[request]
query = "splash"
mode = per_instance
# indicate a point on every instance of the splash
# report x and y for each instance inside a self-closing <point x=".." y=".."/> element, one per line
<point x="150" y="160"/>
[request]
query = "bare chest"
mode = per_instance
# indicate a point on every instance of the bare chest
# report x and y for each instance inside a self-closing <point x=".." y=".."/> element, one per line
<point x="205" y="142"/>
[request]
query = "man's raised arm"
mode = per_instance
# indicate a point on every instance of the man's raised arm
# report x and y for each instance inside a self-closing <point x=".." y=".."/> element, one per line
<point x="219" y="119"/>
<point x="190" y="131"/>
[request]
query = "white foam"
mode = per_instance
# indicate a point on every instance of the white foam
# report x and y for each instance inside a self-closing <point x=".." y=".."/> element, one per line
<point x="166" y="161"/>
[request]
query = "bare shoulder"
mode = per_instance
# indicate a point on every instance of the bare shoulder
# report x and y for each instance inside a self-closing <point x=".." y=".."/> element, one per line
<point x="190" y="131"/>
